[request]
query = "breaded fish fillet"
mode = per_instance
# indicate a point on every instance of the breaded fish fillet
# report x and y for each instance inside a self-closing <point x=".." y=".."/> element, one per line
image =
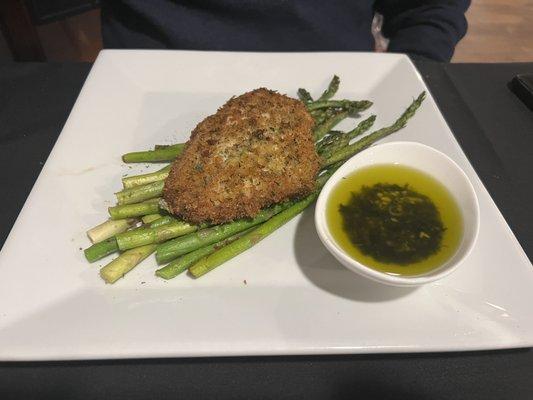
<point x="256" y="150"/>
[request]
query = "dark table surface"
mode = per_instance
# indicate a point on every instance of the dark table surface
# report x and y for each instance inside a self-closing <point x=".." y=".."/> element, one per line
<point x="494" y="129"/>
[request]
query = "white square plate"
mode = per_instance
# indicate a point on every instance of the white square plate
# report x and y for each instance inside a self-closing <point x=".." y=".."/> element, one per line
<point x="287" y="295"/>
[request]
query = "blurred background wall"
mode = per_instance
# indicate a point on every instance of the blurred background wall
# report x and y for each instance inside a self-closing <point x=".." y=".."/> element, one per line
<point x="69" y="30"/>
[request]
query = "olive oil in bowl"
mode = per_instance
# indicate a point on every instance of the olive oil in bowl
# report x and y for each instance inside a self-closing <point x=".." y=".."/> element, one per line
<point x="394" y="219"/>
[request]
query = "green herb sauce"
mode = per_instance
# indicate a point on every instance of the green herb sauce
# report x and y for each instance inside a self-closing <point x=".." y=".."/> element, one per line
<point x="395" y="219"/>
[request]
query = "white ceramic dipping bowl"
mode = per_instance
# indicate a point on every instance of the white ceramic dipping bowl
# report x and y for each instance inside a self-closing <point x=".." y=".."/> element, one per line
<point x="428" y="160"/>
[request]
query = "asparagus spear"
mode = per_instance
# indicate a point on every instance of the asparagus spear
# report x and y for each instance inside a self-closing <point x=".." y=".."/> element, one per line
<point x="337" y="140"/>
<point x="333" y="86"/>
<point x="164" y="220"/>
<point x="161" y="233"/>
<point x="322" y="129"/>
<point x="109" y="228"/>
<point x="361" y="128"/>
<point x="167" y="219"/>
<point x="139" y="180"/>
<point x="332" y="89"/>
<point x="168" y="251"/>
<point x="124" y="263"/>
<point x="110" y="245"/>
<point x="355" y="106"/>
<point x="140" y="193"/>
<point x="226" y="253"/>
<point x="304" y="95"/>
<point x="367" y="141"/>
<point x="328" y="140"/>
<point x="160" y="155"/>
<point x="181" y="264"/>
<point x="326" y="174"/>
<point x="101" y="249"/>
<point x="148" y="219"/>
<point x="322" y="114"/>
<point x="134" y="210"/>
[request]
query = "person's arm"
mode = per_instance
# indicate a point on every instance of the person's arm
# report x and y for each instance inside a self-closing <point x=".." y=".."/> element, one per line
<point x="428" y="28"/>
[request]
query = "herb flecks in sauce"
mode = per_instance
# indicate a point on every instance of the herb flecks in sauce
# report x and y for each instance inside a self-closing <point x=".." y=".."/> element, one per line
<point x="393" y="223"/>
<point x="387" y="179"/>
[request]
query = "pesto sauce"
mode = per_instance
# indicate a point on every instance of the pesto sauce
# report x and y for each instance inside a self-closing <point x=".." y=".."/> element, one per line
<point x="394" y="219"/>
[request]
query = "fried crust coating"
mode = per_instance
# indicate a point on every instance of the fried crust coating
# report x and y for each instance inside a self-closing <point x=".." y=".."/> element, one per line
<point x="255" y="151"/>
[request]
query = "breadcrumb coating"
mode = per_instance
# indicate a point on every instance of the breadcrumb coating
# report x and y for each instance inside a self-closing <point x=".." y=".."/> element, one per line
<point x="255" y="151"/>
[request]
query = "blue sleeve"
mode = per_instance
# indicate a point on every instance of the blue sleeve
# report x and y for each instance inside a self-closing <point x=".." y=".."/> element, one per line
<point x="428" y="28"/>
